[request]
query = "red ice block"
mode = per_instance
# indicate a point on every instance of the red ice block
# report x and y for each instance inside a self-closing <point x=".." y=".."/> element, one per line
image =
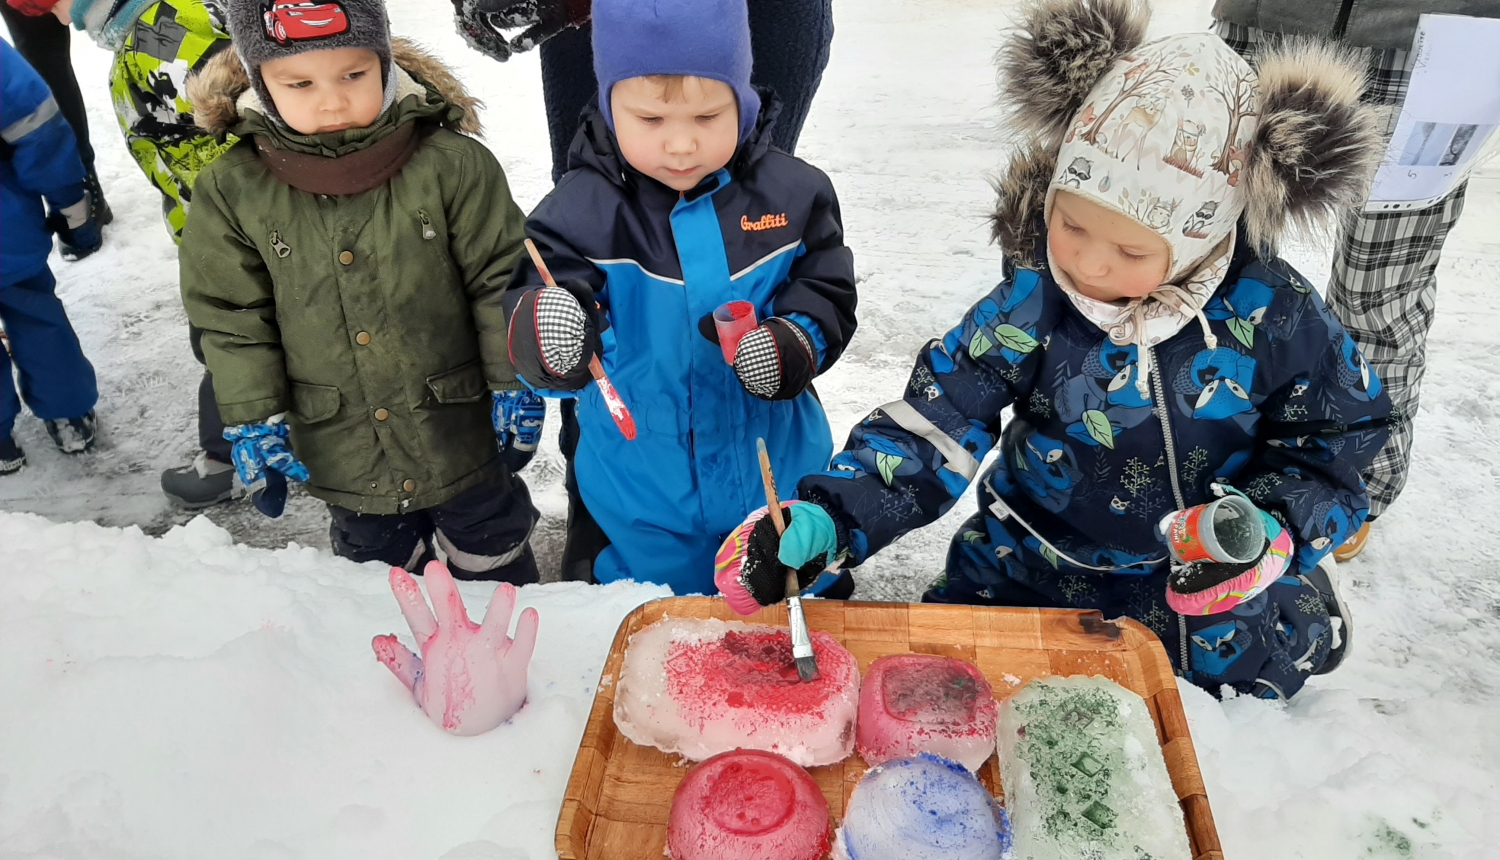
<point x="702" y="687"/>
<point x="916" y="703"/>
<point x="747" y="805"/>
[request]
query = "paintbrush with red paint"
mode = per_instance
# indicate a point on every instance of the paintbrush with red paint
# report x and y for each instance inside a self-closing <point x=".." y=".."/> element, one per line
<point x="617" y="408"/>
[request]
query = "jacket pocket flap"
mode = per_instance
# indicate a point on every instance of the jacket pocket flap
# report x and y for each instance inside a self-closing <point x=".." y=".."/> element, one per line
<point x="314" y="403"/>
<point x="462" y="384"/>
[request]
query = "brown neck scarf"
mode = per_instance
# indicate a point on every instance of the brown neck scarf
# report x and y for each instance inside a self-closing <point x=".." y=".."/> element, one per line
<point x="355" y="173"/>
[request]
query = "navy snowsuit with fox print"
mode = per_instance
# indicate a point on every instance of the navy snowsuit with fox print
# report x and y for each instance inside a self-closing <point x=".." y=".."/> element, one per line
<point x="1283" y="408"/>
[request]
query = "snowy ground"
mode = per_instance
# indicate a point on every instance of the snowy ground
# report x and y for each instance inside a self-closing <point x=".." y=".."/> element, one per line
<point x="187" y="696"/>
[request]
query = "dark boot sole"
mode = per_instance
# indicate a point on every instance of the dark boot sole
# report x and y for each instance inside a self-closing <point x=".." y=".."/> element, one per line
<point x="198" y="506"/>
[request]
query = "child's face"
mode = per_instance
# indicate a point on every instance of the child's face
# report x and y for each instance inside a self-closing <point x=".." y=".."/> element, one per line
<point x="328" y="90"/>
<point x="677" y="142"/>
<point x="1107" y="255"/>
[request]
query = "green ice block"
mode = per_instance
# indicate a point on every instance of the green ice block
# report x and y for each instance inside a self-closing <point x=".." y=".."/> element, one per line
<point x="1084" y="775"/>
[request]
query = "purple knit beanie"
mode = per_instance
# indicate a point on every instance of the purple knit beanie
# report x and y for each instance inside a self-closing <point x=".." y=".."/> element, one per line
<point x="703" y="38"/>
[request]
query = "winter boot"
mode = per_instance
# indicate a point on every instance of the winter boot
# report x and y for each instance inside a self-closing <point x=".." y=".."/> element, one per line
<point x="1351" y="548"/>
<point x="73" y="435"/>
<point x="101" y="211"/>
<point x="1325" y="578"/>
<point x="12" y="458"/>
<point x="201" y="483"/>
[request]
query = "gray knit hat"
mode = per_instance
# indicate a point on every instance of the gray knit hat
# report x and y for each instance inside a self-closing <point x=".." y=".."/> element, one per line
<point x="264" y="30"/>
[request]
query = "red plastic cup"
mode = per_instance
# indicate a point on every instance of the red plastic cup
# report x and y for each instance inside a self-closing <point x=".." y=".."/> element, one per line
<point x="734" y="320"/>
<point x="1227" y="530"/>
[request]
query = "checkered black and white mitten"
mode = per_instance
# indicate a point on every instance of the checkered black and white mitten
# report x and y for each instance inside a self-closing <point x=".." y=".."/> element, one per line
<point x="554" y="332"/>
<point x="776" y="361"/>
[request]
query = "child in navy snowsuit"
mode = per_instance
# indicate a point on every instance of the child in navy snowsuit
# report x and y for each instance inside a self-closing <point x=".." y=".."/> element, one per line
<point x="1155" y="351"/>
<point x="675" y="204"/>
<point x="40" y="163"/>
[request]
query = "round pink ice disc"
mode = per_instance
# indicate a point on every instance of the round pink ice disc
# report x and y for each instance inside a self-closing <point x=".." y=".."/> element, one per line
<point x="747" y="805"/>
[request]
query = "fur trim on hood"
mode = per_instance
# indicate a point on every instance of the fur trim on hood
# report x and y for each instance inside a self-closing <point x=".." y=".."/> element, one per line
<point x="1061" y="50"/>
<point x="222" y="89"/>
<point x="1016" y="223"/>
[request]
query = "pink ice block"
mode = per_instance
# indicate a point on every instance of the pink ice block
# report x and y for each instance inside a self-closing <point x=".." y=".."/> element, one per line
<point x="702" y="687"/>
<point x="916" y="703"/>
<point x="748" y="805"/>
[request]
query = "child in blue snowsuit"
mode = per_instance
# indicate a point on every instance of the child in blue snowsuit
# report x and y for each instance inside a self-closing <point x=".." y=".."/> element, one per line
<point x="40" y="162"/>
<point x="676" y="203"/>
<point x="1135" y="395"/>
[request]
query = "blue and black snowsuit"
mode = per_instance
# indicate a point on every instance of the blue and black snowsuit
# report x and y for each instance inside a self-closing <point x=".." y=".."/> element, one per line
<point x="38" y="161"/>
<point x="1284" y="409"/>
<point x="658" y="261"/>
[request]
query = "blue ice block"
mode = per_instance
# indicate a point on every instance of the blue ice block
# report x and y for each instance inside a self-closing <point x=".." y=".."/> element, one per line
<point x="922" y="808"/>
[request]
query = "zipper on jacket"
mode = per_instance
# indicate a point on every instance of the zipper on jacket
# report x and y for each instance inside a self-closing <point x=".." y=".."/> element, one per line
<point x="1166" y="432"/>
<point x="427" y="231"/>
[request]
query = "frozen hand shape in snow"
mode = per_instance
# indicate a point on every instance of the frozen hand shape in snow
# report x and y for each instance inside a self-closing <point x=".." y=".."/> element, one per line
<point x="470" y="677"/>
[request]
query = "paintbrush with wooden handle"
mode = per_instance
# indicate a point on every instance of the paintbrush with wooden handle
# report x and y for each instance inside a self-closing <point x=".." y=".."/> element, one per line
<point x="617" y="409"/>
<point x="802" y="650"/>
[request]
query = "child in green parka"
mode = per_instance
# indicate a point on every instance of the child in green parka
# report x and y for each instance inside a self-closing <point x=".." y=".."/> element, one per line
<point x="345" y="261"/>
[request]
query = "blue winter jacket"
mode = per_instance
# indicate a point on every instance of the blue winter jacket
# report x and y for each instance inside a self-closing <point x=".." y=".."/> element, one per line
<point x="1284" y="409"/>
<point x="658" y="261"/>
<point x="39" y="159"/>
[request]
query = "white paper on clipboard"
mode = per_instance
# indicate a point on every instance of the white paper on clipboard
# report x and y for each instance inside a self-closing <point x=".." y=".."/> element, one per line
<point x="1451" y="112"/>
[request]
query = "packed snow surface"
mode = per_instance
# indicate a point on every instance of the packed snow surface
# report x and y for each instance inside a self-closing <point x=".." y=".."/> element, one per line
<point x="700" y="687"/>
<point x="180" y="697"/>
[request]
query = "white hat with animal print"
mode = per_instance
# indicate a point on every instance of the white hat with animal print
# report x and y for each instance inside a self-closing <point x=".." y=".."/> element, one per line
<point x="1182" y="136"/>
<point x="1162" y="139"/>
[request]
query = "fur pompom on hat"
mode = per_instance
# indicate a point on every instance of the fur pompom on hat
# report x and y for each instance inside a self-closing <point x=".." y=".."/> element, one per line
<point x="1060" y="50"/>
<point x="1316" y="146"/>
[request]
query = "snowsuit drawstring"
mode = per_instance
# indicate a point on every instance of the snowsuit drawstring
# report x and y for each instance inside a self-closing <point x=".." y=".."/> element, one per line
<point x="1169" y="294"/>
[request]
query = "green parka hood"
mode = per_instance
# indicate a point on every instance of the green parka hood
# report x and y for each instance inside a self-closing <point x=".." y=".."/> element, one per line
<point x="225" y="103"/>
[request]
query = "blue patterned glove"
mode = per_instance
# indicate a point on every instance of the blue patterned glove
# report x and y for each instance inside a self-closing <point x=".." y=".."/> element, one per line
<point x="264" y="460"/>
<point x="517" y="417"/>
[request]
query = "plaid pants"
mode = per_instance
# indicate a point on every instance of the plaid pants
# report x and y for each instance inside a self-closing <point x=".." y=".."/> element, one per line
<point x="1383" y="286"/>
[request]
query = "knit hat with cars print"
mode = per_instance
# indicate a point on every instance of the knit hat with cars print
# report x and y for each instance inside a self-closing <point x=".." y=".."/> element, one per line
<point x="1182" y="136"/>
<point x="265" y="30"/>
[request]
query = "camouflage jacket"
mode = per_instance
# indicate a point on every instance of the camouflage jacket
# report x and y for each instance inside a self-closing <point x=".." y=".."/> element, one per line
<point x="170" y="40"/>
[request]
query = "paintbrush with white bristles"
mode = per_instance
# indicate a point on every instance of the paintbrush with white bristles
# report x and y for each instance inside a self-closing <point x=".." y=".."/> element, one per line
<point x="802" y="650"/>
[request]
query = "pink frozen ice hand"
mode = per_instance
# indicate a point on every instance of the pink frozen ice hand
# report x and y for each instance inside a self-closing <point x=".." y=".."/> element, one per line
<point x="470" y="677"/>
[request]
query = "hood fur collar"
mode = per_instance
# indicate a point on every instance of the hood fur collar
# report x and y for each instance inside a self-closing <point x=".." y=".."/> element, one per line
<point x="222" y="89"/>
<point x="1021" y="192"/>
